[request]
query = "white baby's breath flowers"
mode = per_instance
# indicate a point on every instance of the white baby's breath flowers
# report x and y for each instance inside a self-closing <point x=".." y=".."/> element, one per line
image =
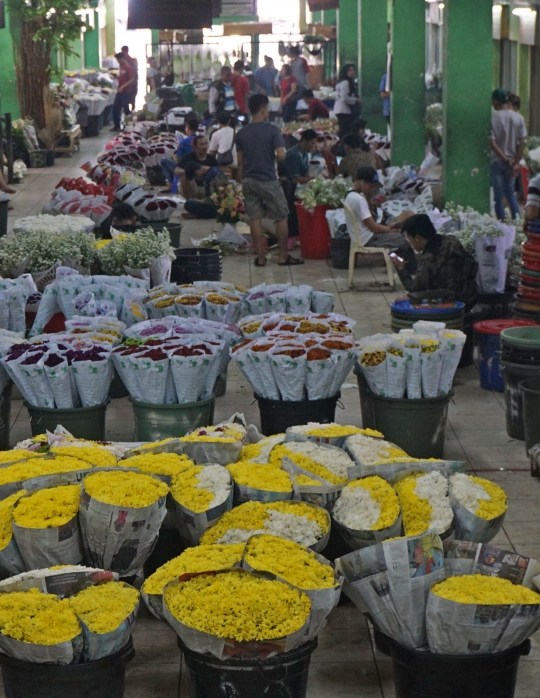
<point x="299" y="529"/>
<point x="337" y="461"/>
<point x="215" y="479"/>
<point x="369" y="451"/>
<point x="434" y="487"/>
<point x="357" y="509"/>
<point x="467" y="492"/>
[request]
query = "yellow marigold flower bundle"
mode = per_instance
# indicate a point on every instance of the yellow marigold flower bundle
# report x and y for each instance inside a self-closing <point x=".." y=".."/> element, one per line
<point x="425" y="502"/>
<point x="18" y="454"/>
<point x="159" y="463"/>
<point x="37" y="618"/>
<point x="306" y="481"/>
<point x="481" y="589"/>
<point x="296" y="521"/>
<point x="37" y="467"/>
<point x="239" y="606"/>
<point x="48" y="508"/>
<point x="290" y="561"/>
<point x="200" y="487"/>
<point x="260" y="477"/>
<point x="104" y="607"/>
<point x="478" y="495"/>
<point x="306" y="463"/>
<point x="154" y="444"/>
<point x="262" y="449"/>
<point x="6" y="507"/>
<point x="369" y="503"/>
<point x="203" y="558"/>
<point x="95" y="455"/>
<point x="333" y="430"/>
<point x="124" y="489"/>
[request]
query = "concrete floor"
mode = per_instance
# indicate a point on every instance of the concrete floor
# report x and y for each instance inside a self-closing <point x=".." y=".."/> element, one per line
<point x="345" y="665"/>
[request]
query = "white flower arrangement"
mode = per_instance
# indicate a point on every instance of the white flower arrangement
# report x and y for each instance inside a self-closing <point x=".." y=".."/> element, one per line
<point x="134" y="250"/>
<point x="338" y="462"/>
<point x="45" y="223"/>
<point x="299" y="529"/>
<point x="467" y="492"/>
<point x="357" y="509"/>
<point x="38" y="249"/>
<point x="369" y="451"/>
<point x="434" y="487"/>
<point x="215" y="479"/>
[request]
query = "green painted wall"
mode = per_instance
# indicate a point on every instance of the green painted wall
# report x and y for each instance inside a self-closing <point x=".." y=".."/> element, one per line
<point x="316" y="17"/>
<point x="496" y="64"/>
<point x="329" y="18"/>
<point x="408" y="82"/>
<point x="524" y="79"/>
<point x="110" y="28"/>
<point x="372" y="18"/>
<point x="75" y="61"/>
<point x="92" y="53"/>
<point x="467" y="83"/>
<point x="347" y="32"/>
<point x="8" y="80"/>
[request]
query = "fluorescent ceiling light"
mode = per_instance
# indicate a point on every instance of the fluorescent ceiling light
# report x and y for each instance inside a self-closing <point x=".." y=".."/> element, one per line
<point x="522" y="11"/>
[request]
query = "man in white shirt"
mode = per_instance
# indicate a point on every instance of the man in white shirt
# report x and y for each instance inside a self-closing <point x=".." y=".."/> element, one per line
<point x="222" y="141"/>
<point x="508" y="139"/>
<point x="372" y="234"/>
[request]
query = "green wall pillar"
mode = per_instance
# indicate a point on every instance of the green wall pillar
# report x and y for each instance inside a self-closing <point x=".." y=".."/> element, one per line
<point x="316" y="17"/>
<point x="75" y="61"/>
<point x="92" y="56"/>
<point x="467" y="82"/>
<point x="110" y="28"/>
<point x="408" y="82"/>
<point x="9" y="101"/>
<point x="347" y="32"/>
<point x="329" y="18"/>
<point x="373" y="32"/>
<point x="524" y="79"/>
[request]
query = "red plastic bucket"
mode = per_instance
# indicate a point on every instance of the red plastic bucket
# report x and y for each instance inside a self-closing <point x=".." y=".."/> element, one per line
<point x="314" y="232"/>
<point x="525" y="175"/>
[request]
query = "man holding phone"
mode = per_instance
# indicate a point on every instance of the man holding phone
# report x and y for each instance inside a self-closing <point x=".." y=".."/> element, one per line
<point x="372" y="234"/>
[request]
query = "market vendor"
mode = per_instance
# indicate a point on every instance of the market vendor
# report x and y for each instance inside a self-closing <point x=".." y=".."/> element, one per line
<point x="442" y="262"/>
<point x="532" y="206"/>
<point x="174" y="167"/>
<point x="297" y="157"/>
<point x="221" y="93"/>
<point x="198" y="184"/>
<point x="357" y="154"/>
<point x="316" y="108"/>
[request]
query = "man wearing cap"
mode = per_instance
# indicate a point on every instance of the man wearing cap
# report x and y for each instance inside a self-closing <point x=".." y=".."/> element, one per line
<point x="372" y="234"/>
<point x="508" y="138"/>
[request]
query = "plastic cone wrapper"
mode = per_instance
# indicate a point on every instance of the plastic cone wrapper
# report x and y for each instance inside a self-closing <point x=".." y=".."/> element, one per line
<point x="46" y="547"/>
<point x="188" y="309"/>
<point x="227" y="310"/>
<point x="126" y="370"/>
<point x="289" y="371"/>
<point x="202" y="642"/>
<point x="85" y="303"/>
<point x="276" y="298"/>
<point x="93" y="380"/>
<point x="242" y="357"/>
<point x="344" y="361"/>
<point x="61" y="382"/>
<point x="452" y="343"/>
<point x="109" y="292"/>
<point x="323" y="601"/>
<point x="390" y="581"/>
<point x="30" y="379"/>
<point x="11" y="559"/>
<point x="48" y="306"/>
<point x="431" y="372"/>
<point x="191" y="525"/>
<point x="457" y="628"/>
<point x="143" y="274"/>
<point x="373" y="361"/>
<point x="190" y="372"/>
<point x="119" y="538"/>
<point x="106" y="309"/>
<point x="133" y="311"/>
<point x="319" y="372"/>
<point x="160" y="270"/>
<point x="219" y="452"/>
<point x="151" y="374"/>
<point x="255" y="302"/>
<point x="411" y="352"/>
<point x="396" y="367"/>
<point x="221" y="353"/>
<point x="322" y="302"/>
<point x="68" y="289"/>
<point x="299" y="299"/>
<point x="4" y="309"/>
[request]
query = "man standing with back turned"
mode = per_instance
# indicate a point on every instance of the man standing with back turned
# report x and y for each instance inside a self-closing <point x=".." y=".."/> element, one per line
<point x="259" y="145"/>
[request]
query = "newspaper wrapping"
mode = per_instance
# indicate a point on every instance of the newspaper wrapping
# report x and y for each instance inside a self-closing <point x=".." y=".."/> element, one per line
<point x="323" y="495"/>
<point x="363" y="538"/>
<point x="192" y="525"/>
<point x="242" y="494"/>
<point x="10" y="558"/>
<point x="390" y="581"/>
<point x="63" y="653"/>
<point x="468" y="526"/>
<point x="46" y="547"/>
<point x="202" y="642"/>
<point x="119" y="538"/>
<point x="222" y="453"/>
<point x="389" y="470"/>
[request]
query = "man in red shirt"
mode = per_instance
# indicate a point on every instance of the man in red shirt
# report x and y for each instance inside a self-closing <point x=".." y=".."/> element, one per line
<point x="316" y="108"/>
<point x="126" y="81"/>
<point x="241" y="87"/>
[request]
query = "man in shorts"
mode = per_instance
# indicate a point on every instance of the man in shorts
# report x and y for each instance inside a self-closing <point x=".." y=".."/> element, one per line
<point x="259" y="146"/>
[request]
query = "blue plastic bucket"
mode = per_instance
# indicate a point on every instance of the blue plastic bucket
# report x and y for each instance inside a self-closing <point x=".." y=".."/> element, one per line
<point x="488" y="338"/>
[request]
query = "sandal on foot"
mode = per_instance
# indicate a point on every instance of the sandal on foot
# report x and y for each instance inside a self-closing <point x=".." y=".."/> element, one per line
<point x="290" y="262"/>
<point x="258" y="264"/>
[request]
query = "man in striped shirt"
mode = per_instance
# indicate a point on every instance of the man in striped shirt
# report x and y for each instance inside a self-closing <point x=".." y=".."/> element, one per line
<point x="532" y="207"/>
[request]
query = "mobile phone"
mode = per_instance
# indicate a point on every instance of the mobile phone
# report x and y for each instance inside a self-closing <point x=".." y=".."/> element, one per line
<point x="395" y="256"/>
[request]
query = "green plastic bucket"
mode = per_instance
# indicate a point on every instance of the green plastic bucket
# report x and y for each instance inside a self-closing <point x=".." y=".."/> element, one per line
<point x="417" y="426"/>
<point x="155" y="422"/>
<point x="530" y="391"/>
<point x="513" y="375"/>
<point x="524" y="337"/>
<point x="82" y="422"/>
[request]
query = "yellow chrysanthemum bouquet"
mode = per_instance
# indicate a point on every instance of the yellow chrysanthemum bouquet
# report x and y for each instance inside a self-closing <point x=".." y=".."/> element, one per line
<point x="479" y="507"/>
<point x="200" y="495"/>
<point x="333" y="434"/>
<point x="46" y="527"/>
<point x="261" y="483"/>
<point x="11" y="561"/>
<point x="367" y="512"/>
<point x="221" y="444"/>
<point x="120" y="514"/>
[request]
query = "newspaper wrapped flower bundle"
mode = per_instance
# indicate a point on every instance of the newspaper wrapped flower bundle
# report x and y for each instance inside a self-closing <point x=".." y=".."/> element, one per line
<point x="333" y="434"/>
<point x="300" y="522"/>
<point x="41" y="471"/>
<point x="234" y="607"/>
<point x="10" y="556"/>
<point x="367" y="511"/>
<point x="96" y="455"/>
<point x="416" y="365"/>
<point x="264" y="483"/>
<point x="203" y="558"/>
<point x="425" y="503"/>
<point x="479" y="507"/>
<point x="267" y="299"/>
<point x="164" y="465"/>
<point x="260" y="452"/>
<point x="326" y="462"/>
<point x="215" y="444"/>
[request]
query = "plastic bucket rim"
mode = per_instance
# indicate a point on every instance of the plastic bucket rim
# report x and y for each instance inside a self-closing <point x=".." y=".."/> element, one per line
<point x="177" y="405"/>
<point x="77" y="410"/>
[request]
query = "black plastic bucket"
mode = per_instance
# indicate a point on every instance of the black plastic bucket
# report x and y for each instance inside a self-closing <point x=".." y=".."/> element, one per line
<point x="340" y="249"/>
<point x="196" y="264"/>
<point x="278" y="415"/>
<point x="82" y="422"/>
<point x="169" y="544"/>
<point x="3" y="217"/>
<point x="512" y="375"/>
<point x="104" y="677"/>
<point x="530" y="391"/>
<point x="281" y="676"/>
<point x="417" y="426"/>
<point x="420" y="674"/>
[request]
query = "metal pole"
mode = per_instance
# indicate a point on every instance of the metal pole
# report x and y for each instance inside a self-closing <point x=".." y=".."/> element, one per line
<point x="9" y="139"/>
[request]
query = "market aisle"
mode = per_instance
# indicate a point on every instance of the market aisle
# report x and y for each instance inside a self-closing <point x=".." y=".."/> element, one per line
<point x="343" y="665"/>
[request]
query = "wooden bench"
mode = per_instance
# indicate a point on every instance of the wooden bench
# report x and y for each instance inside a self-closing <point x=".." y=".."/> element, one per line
<point x="73" y="134"/>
